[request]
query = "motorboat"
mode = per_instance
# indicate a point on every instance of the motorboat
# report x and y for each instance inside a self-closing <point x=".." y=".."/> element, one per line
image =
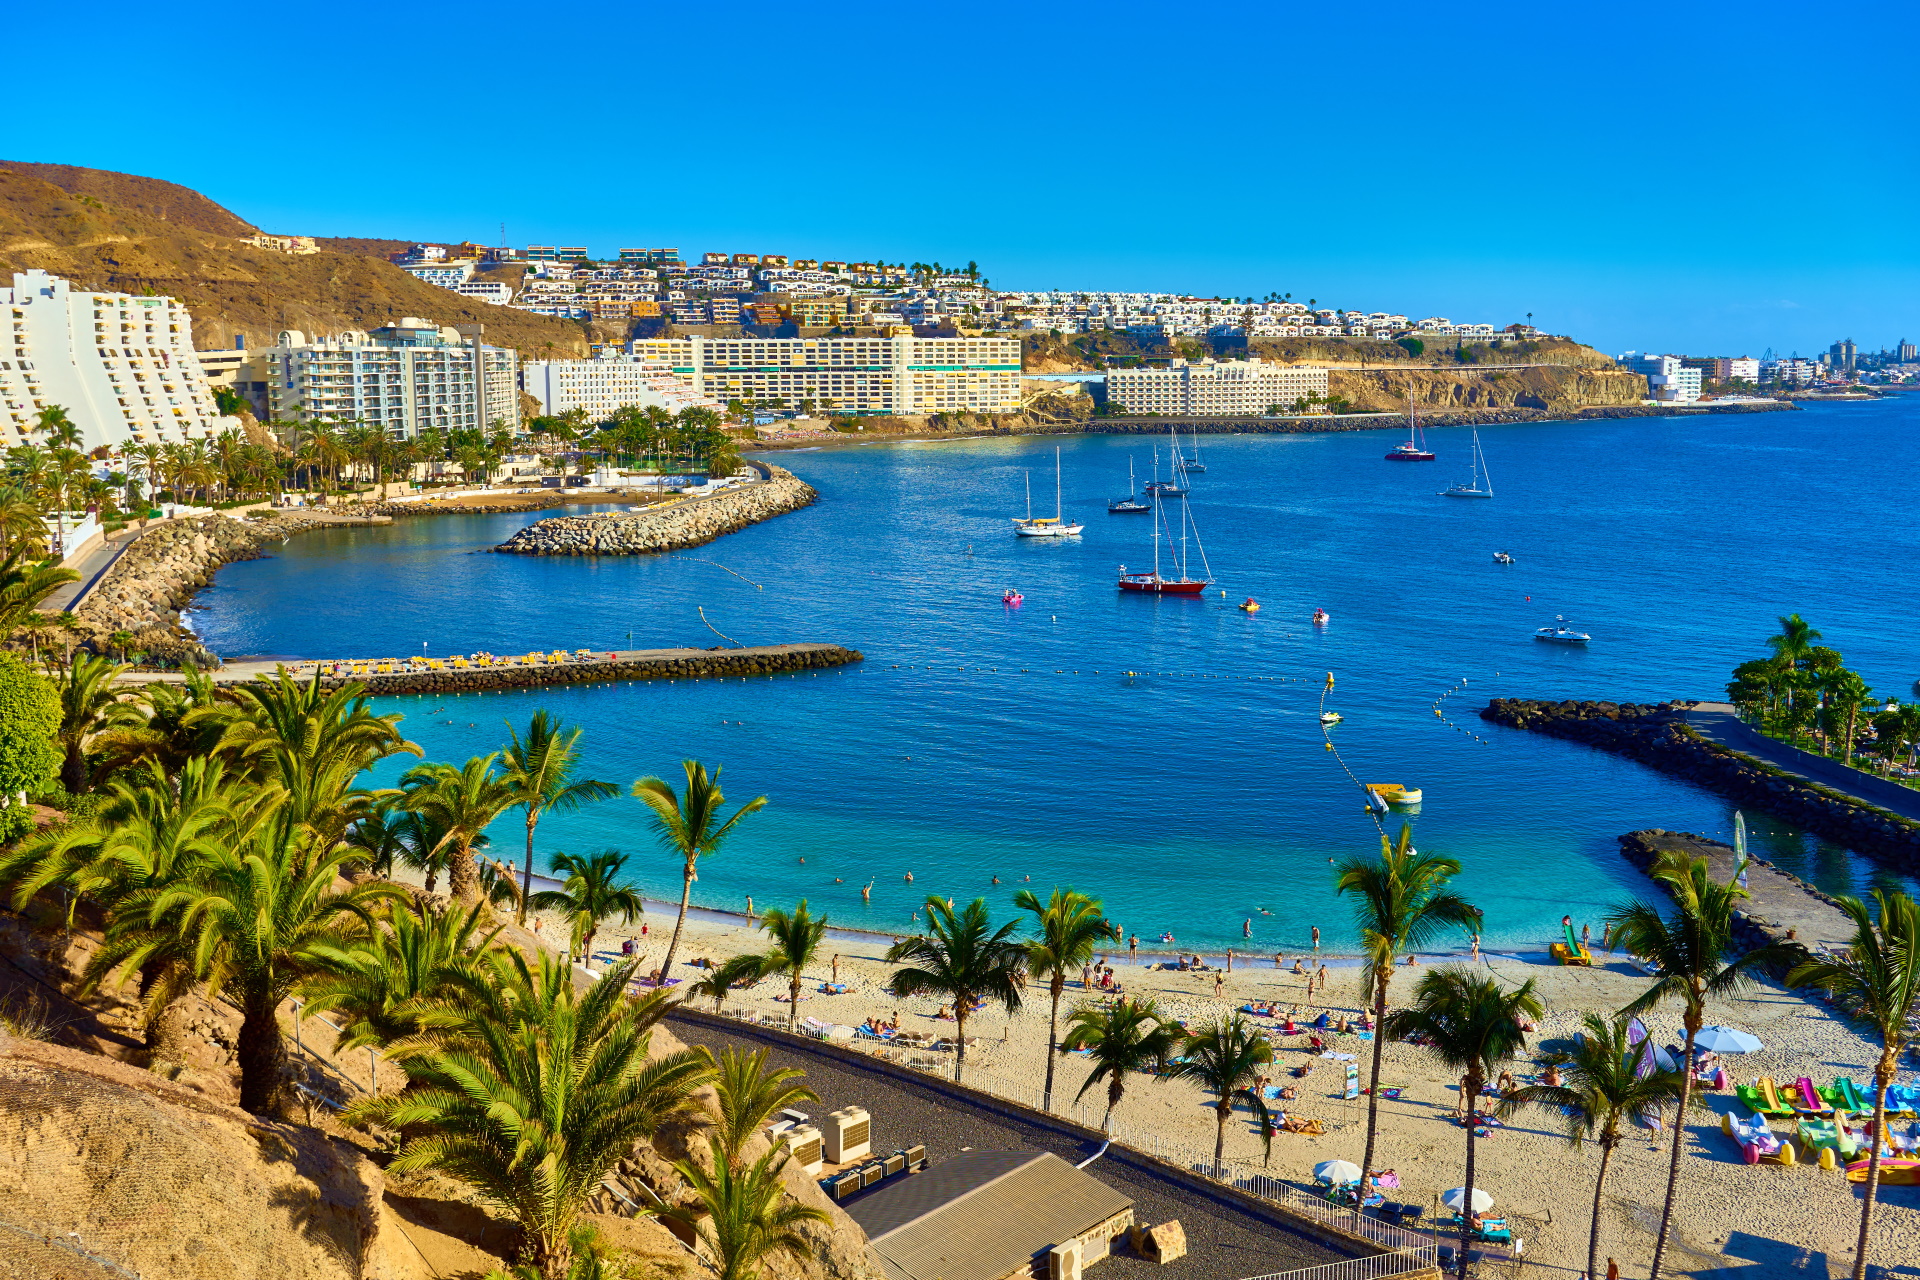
<point x="1046" y="526"/>
<point x="1329" y="717"/>
<point x="1250" y="605"/>
<point x="1394" y="793"/>
<point x="1501" y="557"/>
<point x="1561" y="633"/>
<point x="1321" y="618"/>
<point x="1132" y="504"/>
<point x="1479" y="484"/>
<point x="1011" y="597"/>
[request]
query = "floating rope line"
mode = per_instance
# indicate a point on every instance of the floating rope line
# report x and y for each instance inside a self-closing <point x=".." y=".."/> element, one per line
<point x="1326" y="733"/>
<point x="716" y="564"/>
<point x="729" y="639"/>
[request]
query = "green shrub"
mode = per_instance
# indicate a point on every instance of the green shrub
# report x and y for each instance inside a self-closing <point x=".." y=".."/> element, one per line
<point x="29" y="721"/>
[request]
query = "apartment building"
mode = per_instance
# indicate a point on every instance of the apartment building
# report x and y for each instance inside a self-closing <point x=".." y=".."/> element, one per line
<point x="122" y="367"/>
<point x="496" y="292"/>
<point x="611" y="381"/>
<point x="1668" y="377"/>
<point x="448" y="275"/>
<point x="895" y="375"/>
<point x="404" y="377"/>
<point x="1211" y="387"/>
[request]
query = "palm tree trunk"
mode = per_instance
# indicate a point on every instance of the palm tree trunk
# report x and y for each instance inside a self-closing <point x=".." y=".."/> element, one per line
<point x="679" y="923"/>
<point x="1882" y="1077"/>
<point x="463" y="882"/>
<point x="793" y="1000"/>
<point x="1116" y="1088"/>
<point x="1058" y="985"/>
<point x="1466" y="1205"/>
<point x="526" y="873"/>
<point x="1221" y="1111"/>
<point x="1593" y="1231"/>
<point x="263" y="1057"/>
<point x="960" y="1012"/>
<point x="1679" y="1145"/>
<point x="1373" y="1089"/>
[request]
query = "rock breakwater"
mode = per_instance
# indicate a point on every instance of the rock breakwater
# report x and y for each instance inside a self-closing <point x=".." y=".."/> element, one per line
<point x="691" y="523"/>
<point x="652" y="664"/>
<point x="1658" y="735"/>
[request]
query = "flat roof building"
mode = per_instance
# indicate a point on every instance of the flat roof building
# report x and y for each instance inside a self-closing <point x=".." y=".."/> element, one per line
<point x="989" y="1215"/>
<point x="1229" y="387"/>
<point x="894" y="375"/>
<point x="610" y="382"/>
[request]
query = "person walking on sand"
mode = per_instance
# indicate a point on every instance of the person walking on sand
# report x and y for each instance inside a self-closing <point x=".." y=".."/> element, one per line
<point x="1606" y="938"/>
<point x="1229" y="959"/>
<point x="1219" y="981"/>
<point x="749" y="908"/>
<point x="836" y="966"/>
<point x="1476" y="949"/>
<point x="1586" y="937"/>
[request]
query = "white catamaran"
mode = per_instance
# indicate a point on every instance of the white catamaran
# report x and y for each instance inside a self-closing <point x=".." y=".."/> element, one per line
<point x="1046" y="527"/>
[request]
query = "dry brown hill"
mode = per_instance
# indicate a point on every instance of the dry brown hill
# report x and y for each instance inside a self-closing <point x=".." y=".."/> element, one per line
<point x="130" y="234"/>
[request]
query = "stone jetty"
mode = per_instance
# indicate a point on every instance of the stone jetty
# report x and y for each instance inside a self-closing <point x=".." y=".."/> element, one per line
<point x="1783" y="911"/>
<point x="595" y="668"/>
<point x="1659" y="736"/>
<point x="669" y="527"/>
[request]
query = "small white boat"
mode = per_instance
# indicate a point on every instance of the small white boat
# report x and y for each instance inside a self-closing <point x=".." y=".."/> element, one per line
<point x="1501" y="557"/>
<point x="1561" y="633"/>
<point x="1480" y="485"/>
<point x="1046" y="527"/>
<point x="1329" y="717"/>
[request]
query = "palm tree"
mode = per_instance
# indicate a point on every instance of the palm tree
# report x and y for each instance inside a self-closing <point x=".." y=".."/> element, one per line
<point x="89" y="704"/>
<point x="380" y="837"/>
<point x="1843" y="693"/>
<point x="463" y="802"/>
<point x="689" y="828"/>
<point x="747" y="1095"/>
<point x="1878" y="978"/>
<point x="1069" y="925"/>
<point x="1225" y="1058"/>
<point x="1608" y="1082"/>
<point x="258" y="915"/>
<point x="1402" y="905"/>
<point x="961" y="958"/>
<point x="530" y="1092"/>
<point x="1471" y="1025"/>
<point x="591" y="894"/>
<point x="796" y="944"/>
<point x="386" y="983"/>
<point x="540" y="770"/>
<point x="719" y="981"/>
<point x="749" y="1216"/>
<point x="24" y="583"/>
<point x="22" y="527"/>
<point x="1688" y="951"/>
<point x="1126" y="1036"/>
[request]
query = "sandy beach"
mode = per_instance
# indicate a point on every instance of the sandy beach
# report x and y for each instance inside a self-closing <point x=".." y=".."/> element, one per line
<point x="1761" y="1219"/>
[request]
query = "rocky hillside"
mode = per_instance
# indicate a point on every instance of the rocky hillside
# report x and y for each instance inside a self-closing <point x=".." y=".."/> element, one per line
<point x="1556" y="388"/>
<point x="130" y="234"/>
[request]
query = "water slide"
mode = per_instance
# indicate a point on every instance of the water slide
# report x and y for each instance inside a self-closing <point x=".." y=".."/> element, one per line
<point x="1806" y="1099"/>
<point x="1846" y="1094"/>
<point x="1573" y="944"/>
<point x="1769" y="1094"/>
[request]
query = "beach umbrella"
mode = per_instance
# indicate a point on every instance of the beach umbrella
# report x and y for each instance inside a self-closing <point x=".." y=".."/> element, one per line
<point x="1458" y="1196"/>
<point x="1728" y="1040"/>
<point x="1338" y="1172"/>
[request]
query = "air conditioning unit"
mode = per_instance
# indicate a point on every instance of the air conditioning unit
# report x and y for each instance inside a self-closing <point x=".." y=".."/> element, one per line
<point x="849" y="1135"/>
<point x="1063" y="1261"/>
<point x="804" y="1142"/>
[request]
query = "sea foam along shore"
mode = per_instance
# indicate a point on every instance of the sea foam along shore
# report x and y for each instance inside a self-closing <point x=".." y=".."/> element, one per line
<point x="691" y="523"/>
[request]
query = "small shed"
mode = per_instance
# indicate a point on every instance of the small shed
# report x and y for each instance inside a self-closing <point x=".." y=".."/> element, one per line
<point x="990" y="1215"/>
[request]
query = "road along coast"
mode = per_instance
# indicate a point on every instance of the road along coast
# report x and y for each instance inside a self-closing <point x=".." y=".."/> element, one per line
<point x="692" y="523"/>
<point x="1660" y="737"/>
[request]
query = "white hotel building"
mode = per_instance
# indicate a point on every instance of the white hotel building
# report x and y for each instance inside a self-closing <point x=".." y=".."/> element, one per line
<point x="122" y="367"/>
<point x="610" y="382"/>
<point x="404" y="378"/>
<point x="899" y="375"/>
<point x="1214" y="387"/>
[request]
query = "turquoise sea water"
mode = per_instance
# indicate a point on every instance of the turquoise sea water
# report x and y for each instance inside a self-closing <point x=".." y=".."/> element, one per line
<point x="978" y="740"/>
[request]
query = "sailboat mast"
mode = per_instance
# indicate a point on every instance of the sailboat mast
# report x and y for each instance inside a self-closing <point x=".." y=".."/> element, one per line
<point x="1029" y="496"/>
<point x="1056" y="482"/>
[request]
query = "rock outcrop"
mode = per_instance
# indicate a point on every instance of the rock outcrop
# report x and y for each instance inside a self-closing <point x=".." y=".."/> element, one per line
<point x="1555" y="388"/>
<point x="1658" y="736"/>
<point x="691" y="523"/>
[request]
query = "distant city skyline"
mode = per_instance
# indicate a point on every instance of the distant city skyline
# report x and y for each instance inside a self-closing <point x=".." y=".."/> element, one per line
<point x="1631" y="193"/>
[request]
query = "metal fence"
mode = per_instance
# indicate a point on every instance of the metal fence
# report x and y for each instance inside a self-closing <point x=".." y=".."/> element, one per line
<point x="1408" y="1249"/>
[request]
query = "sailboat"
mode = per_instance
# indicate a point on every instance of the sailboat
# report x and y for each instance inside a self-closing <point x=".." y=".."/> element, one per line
<point x="1481" y="484"/>
<point x="1167" y="488"/>
<point x="1046" y="527"/>
<point x="1415" y="449"/>
<point x="1132" y="503"/>
<point x="1154" y="583"/>
<point x="1190" y="463"/>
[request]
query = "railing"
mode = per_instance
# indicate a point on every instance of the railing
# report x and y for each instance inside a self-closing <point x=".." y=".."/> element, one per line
<point x="1408" y="1249"/>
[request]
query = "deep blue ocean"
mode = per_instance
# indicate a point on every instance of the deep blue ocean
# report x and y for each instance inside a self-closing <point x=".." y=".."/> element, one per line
<point x="978" y="740"/>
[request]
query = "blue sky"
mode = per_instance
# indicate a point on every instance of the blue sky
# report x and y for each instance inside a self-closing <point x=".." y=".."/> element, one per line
<point x="1714" y="179"/>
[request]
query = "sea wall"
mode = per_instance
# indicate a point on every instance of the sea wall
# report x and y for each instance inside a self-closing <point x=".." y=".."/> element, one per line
<point x="1751" y="929"/>
<point x="1659" y="737"/>
<point x="692" y="523"/>
<point x="667" y="664"/>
